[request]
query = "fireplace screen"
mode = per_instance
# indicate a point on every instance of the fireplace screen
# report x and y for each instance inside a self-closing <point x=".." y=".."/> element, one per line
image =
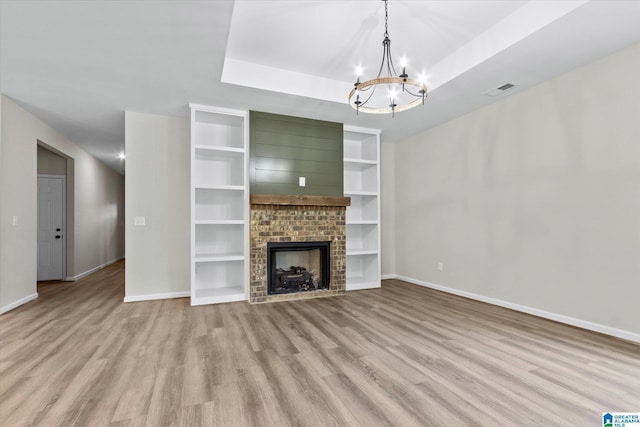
<point x="297" y="266"/>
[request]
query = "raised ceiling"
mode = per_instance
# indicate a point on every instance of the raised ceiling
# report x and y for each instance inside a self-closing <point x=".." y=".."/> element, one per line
<point x="79" y="65"/>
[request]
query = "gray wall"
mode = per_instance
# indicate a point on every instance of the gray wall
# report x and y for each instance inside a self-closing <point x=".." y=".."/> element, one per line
<point x="97" y="237"/>
<point x="157" y="187"/>
<point x="533" y="200"/>
<point x="284" y="148"/>
<point x="3" y="219"/>
<point x="388" y="208"/>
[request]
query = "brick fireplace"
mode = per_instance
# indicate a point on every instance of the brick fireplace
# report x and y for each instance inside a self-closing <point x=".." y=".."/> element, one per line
<point x="277" y="219"/>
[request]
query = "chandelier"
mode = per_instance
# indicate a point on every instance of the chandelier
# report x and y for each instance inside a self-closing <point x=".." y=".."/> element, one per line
<point x="395" y="92"/>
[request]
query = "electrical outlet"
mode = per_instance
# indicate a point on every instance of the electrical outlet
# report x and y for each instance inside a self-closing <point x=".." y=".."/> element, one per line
<point x="440" y="266"/>
<point x="139" y="220"/>
<point x="302" y="181"/>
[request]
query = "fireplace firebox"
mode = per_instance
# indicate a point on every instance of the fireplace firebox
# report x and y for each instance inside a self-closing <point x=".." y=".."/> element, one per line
<point x="297" y="266"/>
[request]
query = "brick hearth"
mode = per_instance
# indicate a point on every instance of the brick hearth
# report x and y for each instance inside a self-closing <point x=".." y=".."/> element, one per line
<point x="296" y="223"/>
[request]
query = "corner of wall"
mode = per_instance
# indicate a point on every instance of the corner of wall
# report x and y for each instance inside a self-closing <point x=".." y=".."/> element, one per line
<point x="157" y="186"/>
<point x="388" y="203"/>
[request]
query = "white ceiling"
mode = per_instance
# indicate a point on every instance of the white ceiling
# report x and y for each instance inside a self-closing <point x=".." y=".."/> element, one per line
<point x="79" y="65"/>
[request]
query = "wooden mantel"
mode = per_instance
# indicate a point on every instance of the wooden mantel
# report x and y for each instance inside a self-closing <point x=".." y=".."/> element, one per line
<point x="299" y="200"/>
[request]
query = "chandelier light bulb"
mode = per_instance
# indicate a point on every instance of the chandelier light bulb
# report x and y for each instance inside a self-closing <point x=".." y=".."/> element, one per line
<point x="359" y="70"/>
<point x="403" y="61"/>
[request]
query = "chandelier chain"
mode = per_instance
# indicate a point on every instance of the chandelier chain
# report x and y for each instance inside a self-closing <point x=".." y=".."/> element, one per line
<point x="386" y="19"/>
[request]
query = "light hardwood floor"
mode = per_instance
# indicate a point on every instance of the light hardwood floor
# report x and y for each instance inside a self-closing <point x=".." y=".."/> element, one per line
<point x="401" y="355"/>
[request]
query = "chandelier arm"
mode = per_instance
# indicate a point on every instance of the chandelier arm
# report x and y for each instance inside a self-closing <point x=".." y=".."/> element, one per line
<point x="390" y="61"/>
<point x="369" y="97"/>
<point x="381" y="63"/>
<point x="417" y="95"/>
<point x="390" y="69"/>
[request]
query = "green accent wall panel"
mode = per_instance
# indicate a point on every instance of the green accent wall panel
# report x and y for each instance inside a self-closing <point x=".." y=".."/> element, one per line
<point x="285" y="148"/>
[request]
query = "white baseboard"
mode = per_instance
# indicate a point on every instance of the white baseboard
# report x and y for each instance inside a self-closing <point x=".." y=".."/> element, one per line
<point x="151" y="297"/>
<point x="93" y="270"/>
<point x="18" y="303"/>
<point x="389" y="276"/>
<point x="584" y="324"/>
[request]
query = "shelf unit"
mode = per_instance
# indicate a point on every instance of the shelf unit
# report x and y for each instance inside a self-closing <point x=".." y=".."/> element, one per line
<point x="362" y="184"/>
<point x="219" y="205"/>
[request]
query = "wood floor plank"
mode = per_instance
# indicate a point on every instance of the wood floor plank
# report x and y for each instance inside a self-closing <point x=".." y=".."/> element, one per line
<point x="362" y="406"/>
<point x="288" y="392"/>
<point x="379" y="389"/>
<point x="134" y="402"/>
<point x="226" y="407"/>
<point x="331" y="409"/>
<point x="259" y="401"/>
<point x="402" y="355"/>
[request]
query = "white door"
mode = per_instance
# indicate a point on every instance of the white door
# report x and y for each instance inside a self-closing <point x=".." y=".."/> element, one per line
<point x="50" y="227"/>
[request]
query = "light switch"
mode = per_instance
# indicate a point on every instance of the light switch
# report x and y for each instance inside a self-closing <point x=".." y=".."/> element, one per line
<point x="302" y="181"/>
<point x="139" y="220"/>
<point x="15" y="220"/>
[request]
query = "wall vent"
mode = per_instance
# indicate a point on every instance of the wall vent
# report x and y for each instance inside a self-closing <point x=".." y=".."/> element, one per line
<point x="500" y="89"/>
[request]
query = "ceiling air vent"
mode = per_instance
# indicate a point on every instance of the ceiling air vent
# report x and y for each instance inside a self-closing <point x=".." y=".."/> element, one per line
<point x="501" y="89"/>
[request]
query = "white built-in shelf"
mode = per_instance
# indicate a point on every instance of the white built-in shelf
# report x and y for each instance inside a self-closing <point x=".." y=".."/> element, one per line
<point x="219" y="205"/>
<point x="218" y="295"/>
<point x="363" y="209"/>
<point x="218" y="153"/>
<point x="361" y="178"/>
<point x="219" y="187"/>
<point x="219" y="281"/>
<point x="360" y="283"/>
<point x="360" y="162"/>
<point x="360" y="143"/>
<point x="363" y="222"/>
<point x="361" y="252"/>
<point x="362" y="184"/>
<point x="219" y="258"/>
<point x="362" y="239"/>
<point x="360" y="193"/>
<point x="217" y="127"/>
<point x="363" y="271"/>
<point x="216" y="292"/>
<point x="218" y="148"/>
<point x="217" y="167"/>
<point x="219" y="222"/>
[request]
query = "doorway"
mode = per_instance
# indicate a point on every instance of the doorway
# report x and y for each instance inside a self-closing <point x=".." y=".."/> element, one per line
<point x="55" y="210"/>
<point x="51" y="227"/>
